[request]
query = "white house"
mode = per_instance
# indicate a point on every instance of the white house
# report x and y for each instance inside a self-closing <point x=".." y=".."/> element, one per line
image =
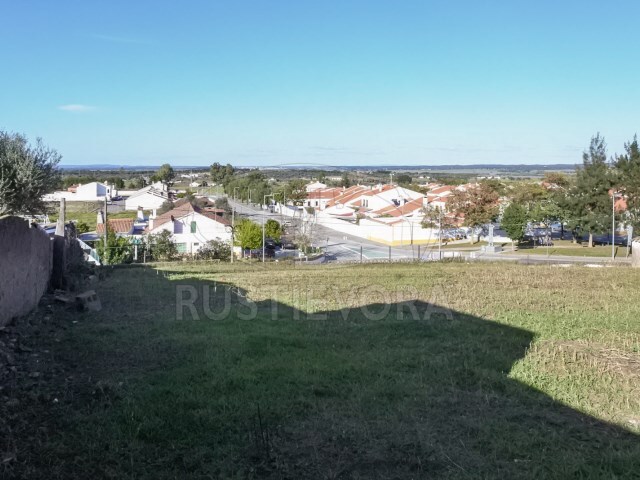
<point x="312" y="187"/>
<point x="148" y="198"/>
<point x="384" y="196"/>
<point x="191" y="227"/>
<point x="320" y="197"/>
<point x="89" y="192"/>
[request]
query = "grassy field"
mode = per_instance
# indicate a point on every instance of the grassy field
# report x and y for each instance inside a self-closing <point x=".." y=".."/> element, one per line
<point x="341" y="372"/>
<point x="87" y="212"/>
<point x="566" y="247"/>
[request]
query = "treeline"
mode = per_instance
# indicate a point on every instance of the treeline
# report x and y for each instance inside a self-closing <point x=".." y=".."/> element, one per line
<point x="603" y="189"/>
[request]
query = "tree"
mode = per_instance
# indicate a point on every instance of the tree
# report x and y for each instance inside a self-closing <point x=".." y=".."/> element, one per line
<point x="118" y="249"/>
<point x="628" y="170"/>
<point x="589" y="201"/>
<point x="135" y="183"/>
<point x="527" y="194"/>
<point x="272" y="229"/>
<point x="221" y="174"/>
<point x="403" y="179"/>
<point x="556" y="178"/>
<point x="514" y="221"/>
<point x="248" y="234"/>
<point x="162" y="246"/>
<point x="166" y="174"/>
<point x="495" y="185"/>
<point x="166" y="206"/>
<point x="27" y="173"/>
<point x="345" y="182"/>
<point x="252" y="185"/>
<point x="478" y="205"/>
<point x="296" y="191"/>
<point x="82" y="227"/>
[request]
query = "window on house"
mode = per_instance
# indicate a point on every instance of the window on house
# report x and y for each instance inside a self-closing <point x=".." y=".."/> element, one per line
<point x="181" y="247"/>
<point x="194" y="227"/>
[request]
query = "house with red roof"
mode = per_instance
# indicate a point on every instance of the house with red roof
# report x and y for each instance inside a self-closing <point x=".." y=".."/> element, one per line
<point x="191" y="227"/>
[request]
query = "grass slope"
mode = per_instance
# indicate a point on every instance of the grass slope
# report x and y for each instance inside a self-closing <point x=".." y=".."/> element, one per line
<point x="536" y="375"/>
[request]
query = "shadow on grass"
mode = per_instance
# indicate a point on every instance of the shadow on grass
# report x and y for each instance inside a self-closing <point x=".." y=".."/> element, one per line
<point x="280" y="389"/>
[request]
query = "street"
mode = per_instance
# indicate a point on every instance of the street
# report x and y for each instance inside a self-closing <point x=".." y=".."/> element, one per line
<point x="345" y="248"/>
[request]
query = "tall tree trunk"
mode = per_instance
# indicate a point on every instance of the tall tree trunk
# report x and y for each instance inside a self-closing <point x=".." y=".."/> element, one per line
<point x="590" y="239"/>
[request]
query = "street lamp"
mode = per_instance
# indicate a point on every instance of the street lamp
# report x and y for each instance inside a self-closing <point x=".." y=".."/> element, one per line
<point x="231" y="230"/>
<point x="613" y="224"/>
<point x="264" y="202"/>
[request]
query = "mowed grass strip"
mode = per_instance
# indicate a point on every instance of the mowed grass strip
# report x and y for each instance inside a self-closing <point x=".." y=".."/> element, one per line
<point x="535" y="374"/>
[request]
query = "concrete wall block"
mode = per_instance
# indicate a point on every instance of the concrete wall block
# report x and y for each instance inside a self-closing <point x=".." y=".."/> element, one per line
<point x="25" y="267"/>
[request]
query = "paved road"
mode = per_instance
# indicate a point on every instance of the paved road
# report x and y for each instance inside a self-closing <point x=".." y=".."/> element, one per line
<point x="345" y="248"/>
<point x="339" y="247"/>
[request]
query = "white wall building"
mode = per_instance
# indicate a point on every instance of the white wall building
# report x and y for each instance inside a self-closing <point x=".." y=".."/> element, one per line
<point x="191" y="227"/>
<point x="147" y="198"/>
<point x="312" y="187"/>
<point x="89" y="192"/>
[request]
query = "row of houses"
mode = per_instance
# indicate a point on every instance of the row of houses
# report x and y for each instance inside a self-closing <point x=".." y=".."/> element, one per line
<point x="149" y="197"/>
<point x="380" y="201"/>
<point x="191" y="227"/>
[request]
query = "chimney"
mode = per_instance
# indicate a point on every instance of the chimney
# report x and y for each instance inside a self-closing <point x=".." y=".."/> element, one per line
<point x="140" y="216"/>
<point x="152" y="217"/>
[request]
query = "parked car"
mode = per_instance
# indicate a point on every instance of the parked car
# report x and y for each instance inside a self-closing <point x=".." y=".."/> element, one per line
<point x="288" y="245"/>
<point x="257" y="253"/>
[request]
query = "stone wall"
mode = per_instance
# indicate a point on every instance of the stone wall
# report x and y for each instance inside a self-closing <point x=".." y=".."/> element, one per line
<point x="25" y="267"/>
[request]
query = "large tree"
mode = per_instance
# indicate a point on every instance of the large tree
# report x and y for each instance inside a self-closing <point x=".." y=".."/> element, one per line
<point x="273" y="229"/>
<point x="295" y="191"/>
<point x="253" y="185"/>
<point x="628" y="170"/>
<point x="514" y="221"/>
<point x="27" y="173"/>
<point x="478" y="205"/>
<point x="221" y="174"/>
<point x="589" y="201"/>
<point x="165" y="174"/>
<point x="248" y="234"/>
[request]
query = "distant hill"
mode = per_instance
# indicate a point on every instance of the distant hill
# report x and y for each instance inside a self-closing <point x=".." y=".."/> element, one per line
<point x="440" y="168"/>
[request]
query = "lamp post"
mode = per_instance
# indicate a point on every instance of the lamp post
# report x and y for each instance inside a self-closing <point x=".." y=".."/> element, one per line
<point x="613" y="225"/>
<point x="264" y="202"/>
<point x="231" y="230"/>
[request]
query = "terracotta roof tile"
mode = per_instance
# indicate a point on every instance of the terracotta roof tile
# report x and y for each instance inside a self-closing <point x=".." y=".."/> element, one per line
<point x="118" y="225"/>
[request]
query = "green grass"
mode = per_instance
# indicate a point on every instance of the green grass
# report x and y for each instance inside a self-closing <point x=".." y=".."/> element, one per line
<point x="536" y="375"/>
<point x="566" y="247"/>
<point x="87" y="212"/>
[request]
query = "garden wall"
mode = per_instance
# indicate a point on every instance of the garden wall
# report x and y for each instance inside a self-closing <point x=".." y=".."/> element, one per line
<point x="25" y="267"/>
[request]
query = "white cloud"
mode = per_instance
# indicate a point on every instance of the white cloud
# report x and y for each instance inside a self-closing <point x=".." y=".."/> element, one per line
<point x="121" y="39"/>
<point x="76" y="107"/>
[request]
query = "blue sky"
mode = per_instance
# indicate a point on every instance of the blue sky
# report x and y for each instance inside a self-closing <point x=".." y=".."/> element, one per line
<point x="328" y="82"/>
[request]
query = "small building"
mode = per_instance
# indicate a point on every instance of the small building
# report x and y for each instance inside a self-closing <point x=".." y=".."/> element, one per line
<point x="191" y="227"/>
<point x="148" y="198"/>
<point x="89" y="192"/>
<point x="313" y="186"/>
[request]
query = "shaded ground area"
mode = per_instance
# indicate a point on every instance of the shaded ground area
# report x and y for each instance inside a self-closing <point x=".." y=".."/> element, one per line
<point x="329" y="373"/>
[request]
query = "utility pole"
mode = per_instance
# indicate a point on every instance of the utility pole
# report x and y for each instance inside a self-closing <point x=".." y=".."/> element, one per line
<point x="613" y="225"/>
<point x="264" y="202"/>
<point x="233" y="229"/>
<point x="440" y="236"/>
<point x="105" y="229"/>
